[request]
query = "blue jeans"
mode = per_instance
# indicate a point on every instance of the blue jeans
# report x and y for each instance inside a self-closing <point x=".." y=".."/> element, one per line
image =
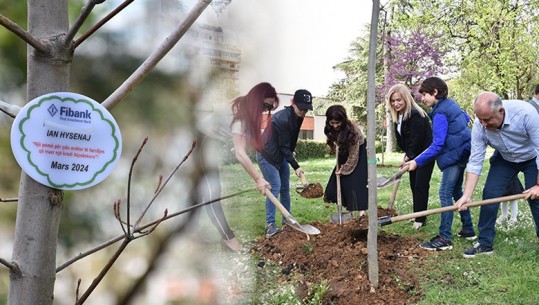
<point x="451" y="189"/>
<point x="499" y="176"/>
<point x="279" y="179"/>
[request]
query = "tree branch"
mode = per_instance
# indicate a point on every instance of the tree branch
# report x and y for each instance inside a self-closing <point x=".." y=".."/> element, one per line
<point x="156" y="56"/>
<point x="24" y="35"/>
<point x="118" y="216"/>
<point x="9" y="109"/>
<point x="86" y="10"/>
<point x="143" y="227"/>
<point x="7" y="264"/>
<point x="102" y="22"/>
<point x="127" y="236"/>
<point x="103" y="272"/>
<point x="156" y="194"/>
<point x="129" y="185"/>
<point x="9" y="199"/>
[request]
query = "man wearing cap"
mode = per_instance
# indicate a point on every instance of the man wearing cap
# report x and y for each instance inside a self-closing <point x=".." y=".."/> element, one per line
<point x="280" y="138"/>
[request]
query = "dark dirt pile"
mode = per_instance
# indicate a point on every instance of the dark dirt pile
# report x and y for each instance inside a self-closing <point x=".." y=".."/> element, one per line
<point x="313" y="190"/>
<point x="339" y="256"/>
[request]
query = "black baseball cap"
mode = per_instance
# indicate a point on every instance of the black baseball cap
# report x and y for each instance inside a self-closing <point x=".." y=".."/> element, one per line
<point x="303" y="99"/>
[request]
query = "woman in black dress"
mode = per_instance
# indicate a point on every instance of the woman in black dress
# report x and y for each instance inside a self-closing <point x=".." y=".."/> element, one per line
<point x="414" y="135"/>
<point x="340" y="131"/>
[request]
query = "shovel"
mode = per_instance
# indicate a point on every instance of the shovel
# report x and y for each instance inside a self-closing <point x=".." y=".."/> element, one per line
<point x="391" y="201"/>
<point x="339" y="218"/>
<point x="309" y="190"/>
<point x="290" y="220"/>
<point x="386" y="220"/>
<point x="393" y="178"/>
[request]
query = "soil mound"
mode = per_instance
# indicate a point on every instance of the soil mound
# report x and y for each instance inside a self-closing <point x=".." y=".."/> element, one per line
<point x="339" y="256"/>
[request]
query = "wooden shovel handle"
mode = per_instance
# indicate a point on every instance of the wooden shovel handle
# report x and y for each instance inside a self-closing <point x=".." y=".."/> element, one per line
<point x="277" y="204"/>
<point x="338" y="179"/>
<point x="454" y="207"/>
<point x="401" y="172"/>
<point x="303" y="180"/>
<point x="393" y="195"/>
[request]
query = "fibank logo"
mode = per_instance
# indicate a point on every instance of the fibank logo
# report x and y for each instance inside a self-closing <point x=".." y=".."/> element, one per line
<point x="52" y="110"/>
<point x="68" y="112"/>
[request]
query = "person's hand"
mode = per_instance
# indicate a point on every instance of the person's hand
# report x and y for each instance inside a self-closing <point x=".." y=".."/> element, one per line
<point x="412" y="165"/>
<point x="262" y="185"/>
<point x="338" y="172"/>
<point x="532" y="193"/>
<point x="299" y="172"/>
<point x="461" y="203"/>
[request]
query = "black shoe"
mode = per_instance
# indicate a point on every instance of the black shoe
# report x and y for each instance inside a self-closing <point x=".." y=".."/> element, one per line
<point x="271" y="229"/>
<point x="478" y="249"/>
<point x="437" y="243"/>
<point x="467" y="235"/>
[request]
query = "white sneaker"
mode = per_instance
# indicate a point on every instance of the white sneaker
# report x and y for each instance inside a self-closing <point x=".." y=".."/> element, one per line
<point x="501" y="219"/>
<point x="417" y="225"/>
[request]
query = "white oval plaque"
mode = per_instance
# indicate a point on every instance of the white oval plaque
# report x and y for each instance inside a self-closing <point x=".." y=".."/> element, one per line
<point x="66" y="141"/>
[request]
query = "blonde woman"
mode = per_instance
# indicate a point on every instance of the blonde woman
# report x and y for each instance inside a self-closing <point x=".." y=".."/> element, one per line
<point x="414" y="135"/>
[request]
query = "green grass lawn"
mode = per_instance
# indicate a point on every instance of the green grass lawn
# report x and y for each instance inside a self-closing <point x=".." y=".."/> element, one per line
<point x="509" y="276"/>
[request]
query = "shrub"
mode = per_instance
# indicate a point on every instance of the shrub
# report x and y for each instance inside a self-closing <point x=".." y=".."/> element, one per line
<point x="307" y="149"/>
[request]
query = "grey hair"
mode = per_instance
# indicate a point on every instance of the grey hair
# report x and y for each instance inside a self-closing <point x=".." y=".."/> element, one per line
<point x="494" y="103"/>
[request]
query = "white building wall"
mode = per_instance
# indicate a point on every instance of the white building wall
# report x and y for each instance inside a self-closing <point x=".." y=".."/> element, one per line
<point x="319" y="124"/>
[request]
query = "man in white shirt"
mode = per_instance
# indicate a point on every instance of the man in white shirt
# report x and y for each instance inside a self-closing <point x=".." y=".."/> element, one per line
<point x="512" y="128"/>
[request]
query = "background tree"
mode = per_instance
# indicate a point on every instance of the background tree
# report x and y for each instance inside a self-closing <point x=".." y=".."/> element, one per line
<point x="493" y="44"/>
<point x="409" y="58"/>
<point x="351" y="91"/>
<point x="474" y="45"/>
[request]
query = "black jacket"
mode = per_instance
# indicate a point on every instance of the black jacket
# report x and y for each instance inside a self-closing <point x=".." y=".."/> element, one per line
<point x="415" y="136"/>
<point x="280" y="140"/>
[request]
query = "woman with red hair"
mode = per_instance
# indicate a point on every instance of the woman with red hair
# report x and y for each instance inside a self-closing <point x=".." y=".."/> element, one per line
<point x="241" y="124"/>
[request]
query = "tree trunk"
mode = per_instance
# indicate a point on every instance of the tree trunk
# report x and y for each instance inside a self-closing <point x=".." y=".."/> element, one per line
<point x="372" y="237"/>
<point x="390" y="133"/>
<point x="40" y="207"/>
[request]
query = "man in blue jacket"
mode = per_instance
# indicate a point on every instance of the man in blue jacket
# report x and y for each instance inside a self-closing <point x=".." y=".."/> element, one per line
<point x="280" y="139"/>
<point x="451" y="149"/>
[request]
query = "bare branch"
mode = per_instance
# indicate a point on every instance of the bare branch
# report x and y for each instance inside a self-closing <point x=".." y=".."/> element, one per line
<point x="9" y="109"/>
<point x="90" y="252"/>
<point x="86" y="10"/>
<point x="102" y="22"/>
<point x="8" y="113"/>
<point x="77" y="291"/>
<point x="103" y="272"/>
<point x="118" y="216"/>
<point x="193" y="145"/>
<point x="156" y="56"/>
<point x="118" y="238"/>
<point x="24" y="35"/>
<point x="129" y="184"/>
<point x="158" y="184"/>
<point x="7" y="264"/>
<point x="9" y="199"/>
<point x="155" y="226"/>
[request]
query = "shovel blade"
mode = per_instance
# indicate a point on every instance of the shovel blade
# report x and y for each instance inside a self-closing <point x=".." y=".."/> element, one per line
<point x="307" y="229"/>
<point x="346" y="217"/>
<point x="382" y="182"/>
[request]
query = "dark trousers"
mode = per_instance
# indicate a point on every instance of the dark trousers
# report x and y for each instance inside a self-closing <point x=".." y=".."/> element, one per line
<point x="500" y="176"/>
<point x="420" y="185"/>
